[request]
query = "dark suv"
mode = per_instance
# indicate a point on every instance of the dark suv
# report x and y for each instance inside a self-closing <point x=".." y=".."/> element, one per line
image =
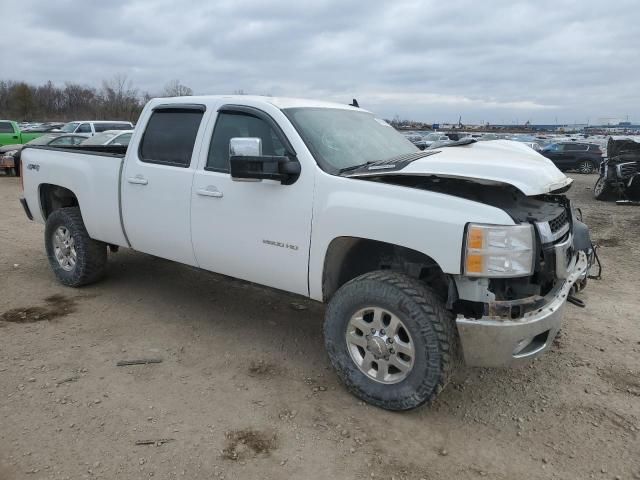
<point x="584" y="157"/>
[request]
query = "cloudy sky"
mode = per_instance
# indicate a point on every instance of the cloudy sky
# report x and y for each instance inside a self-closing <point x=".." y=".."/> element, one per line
<point x="498" y="61"/>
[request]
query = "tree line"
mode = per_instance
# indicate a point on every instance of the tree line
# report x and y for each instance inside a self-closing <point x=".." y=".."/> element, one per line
<point x="115" y="99"/>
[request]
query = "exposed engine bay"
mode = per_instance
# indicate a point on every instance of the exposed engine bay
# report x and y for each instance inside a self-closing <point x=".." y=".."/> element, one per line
<point x="559" y="232"/>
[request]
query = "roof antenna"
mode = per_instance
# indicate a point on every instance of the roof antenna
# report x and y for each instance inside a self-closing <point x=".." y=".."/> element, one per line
<point x="354" y="103"/>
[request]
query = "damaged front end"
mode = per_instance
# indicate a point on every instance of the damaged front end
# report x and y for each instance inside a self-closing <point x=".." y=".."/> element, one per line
<point x="506" y="321"/>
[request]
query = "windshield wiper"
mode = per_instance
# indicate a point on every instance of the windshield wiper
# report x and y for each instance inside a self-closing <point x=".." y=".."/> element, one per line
<point x="399" y="161"/>
<point x="356" y="167"/>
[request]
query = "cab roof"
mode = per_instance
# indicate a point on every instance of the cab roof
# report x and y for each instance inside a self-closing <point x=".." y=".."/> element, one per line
<point x="279" y="102"/>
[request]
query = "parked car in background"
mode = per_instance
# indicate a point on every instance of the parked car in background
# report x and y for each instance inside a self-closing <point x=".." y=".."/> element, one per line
<point x="43" y="127"/>
<point x="110" y="137"/>
<point x="535" y="145"/>
<point x="11" y="134"/>
<point x="583" y="157"/>
<point x="10" y="154"/>
<point x="430" y="139"/>
<point x="89" y="128"/>
<point x="620" y="171"/>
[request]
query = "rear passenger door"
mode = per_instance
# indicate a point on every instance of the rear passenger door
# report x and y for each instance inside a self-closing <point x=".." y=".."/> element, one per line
<point x="8" y="136"/>
<point x="156" y="183"/>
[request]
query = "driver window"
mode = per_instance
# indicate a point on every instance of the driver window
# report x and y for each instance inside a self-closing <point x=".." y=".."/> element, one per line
<point x="84" y="128"/>
<point x="232" y="125"/>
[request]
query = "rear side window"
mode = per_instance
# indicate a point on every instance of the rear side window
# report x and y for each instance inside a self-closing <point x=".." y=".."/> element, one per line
<point x="575" y="147"/>
<point x="123" y="139"/>
<point x="120" y="126"/>
<point x="6" y="127"/>
<point x="170" y="136"/>
<point x="103" y="127"/>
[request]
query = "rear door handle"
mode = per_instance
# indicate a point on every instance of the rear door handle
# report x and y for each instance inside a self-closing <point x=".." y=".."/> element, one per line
<point x="137" y="180"/>
<point x="210" y="191"/>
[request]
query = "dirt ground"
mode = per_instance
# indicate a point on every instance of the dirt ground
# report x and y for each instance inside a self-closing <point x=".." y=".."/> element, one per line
<point x="244" y="389"/>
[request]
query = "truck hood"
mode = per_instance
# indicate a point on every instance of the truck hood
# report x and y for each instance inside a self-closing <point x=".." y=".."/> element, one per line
<point x="493" y="162"/>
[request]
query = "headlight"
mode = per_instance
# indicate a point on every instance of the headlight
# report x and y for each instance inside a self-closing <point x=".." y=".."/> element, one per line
<point x="11" y="153"/>
<point x="499" y="250"/>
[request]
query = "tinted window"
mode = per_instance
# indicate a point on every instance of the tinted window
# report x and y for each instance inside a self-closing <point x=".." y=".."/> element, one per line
<point x="123" y="139"/>
<point x="6" y="127"/>
<point x="101" y="127"/>
<point x="84" y="128"/>
<point x="170" y="136"/>
<point x="574" y="147"/>
<point x="70" y="127"/>
<point x="233" y="125"/>
<point x="63" y="141"/>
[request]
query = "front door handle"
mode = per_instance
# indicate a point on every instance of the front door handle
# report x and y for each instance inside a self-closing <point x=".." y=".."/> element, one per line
<point x="210" y="191"/>
<point x="137" y="180"/>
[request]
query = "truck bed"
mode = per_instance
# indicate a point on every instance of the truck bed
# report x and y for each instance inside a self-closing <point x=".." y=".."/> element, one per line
<point x="93" y="173"/>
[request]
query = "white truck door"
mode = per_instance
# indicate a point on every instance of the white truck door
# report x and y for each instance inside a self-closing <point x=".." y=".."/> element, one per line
<point x="253" y="230"/>
<point x="157" y="180"/>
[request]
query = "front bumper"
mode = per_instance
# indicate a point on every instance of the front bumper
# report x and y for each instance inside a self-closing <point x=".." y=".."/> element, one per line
<point x="501" y="342"/>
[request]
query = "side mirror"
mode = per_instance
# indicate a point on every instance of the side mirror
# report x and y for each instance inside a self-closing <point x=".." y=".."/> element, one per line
<point x="248" y="163"/>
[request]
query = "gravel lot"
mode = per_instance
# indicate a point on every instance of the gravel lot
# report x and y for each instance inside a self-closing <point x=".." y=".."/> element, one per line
<point x="244" y="389"/>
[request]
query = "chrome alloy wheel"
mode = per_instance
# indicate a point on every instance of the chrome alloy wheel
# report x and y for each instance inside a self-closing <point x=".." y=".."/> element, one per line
<point x="64" y="248"/>
<point x="586" y="167"/>
<point x="380" y="345"/>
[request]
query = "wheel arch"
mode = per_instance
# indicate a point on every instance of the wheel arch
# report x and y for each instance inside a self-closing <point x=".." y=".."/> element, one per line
<point x="349" y="257"/>
<point x="53" y="197"/>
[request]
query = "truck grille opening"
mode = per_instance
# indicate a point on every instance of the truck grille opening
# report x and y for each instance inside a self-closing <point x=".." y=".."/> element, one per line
<point x="628" y="169"/>
<point x="558" y="222"/>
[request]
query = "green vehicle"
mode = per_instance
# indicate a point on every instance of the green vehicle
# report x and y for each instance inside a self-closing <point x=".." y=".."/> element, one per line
<point x="10" y="134"/>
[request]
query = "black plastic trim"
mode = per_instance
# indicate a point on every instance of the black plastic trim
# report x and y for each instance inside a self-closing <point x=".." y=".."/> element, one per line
<point x="181" y="106"/>
<point x="27" y="212"/>
<point x="112" y="151"/>
<point x="262" y="115"/>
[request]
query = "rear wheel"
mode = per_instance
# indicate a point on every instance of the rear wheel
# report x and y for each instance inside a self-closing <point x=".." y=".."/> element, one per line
<point x="390" y="340"/>
<point x="586" y="166"/>
<point x="75" y="258"/>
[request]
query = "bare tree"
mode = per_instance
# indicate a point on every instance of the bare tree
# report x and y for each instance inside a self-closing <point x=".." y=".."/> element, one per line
<point x="175" y="89"/>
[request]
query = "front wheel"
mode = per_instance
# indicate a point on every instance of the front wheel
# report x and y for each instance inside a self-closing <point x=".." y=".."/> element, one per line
<point x="602" y="190"/>
<point x="586" y="166"/>
<point x="390" y="340"/>
<point x="75" y="258"/>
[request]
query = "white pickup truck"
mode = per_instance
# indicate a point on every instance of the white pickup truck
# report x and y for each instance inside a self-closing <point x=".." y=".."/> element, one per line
<point x="468" y="252"/>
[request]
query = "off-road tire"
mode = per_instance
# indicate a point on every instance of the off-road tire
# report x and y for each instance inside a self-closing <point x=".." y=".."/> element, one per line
<point x="91" y="254"/>
<point x="601" y="190"/>
<point x="430" y="325"/>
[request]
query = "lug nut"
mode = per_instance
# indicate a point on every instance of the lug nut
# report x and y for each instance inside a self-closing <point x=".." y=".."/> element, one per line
<point x="389" y="340"/>
<point x="373" y="330"/>
<point x="382" y="332"/>
<point x="391" y="350"/>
